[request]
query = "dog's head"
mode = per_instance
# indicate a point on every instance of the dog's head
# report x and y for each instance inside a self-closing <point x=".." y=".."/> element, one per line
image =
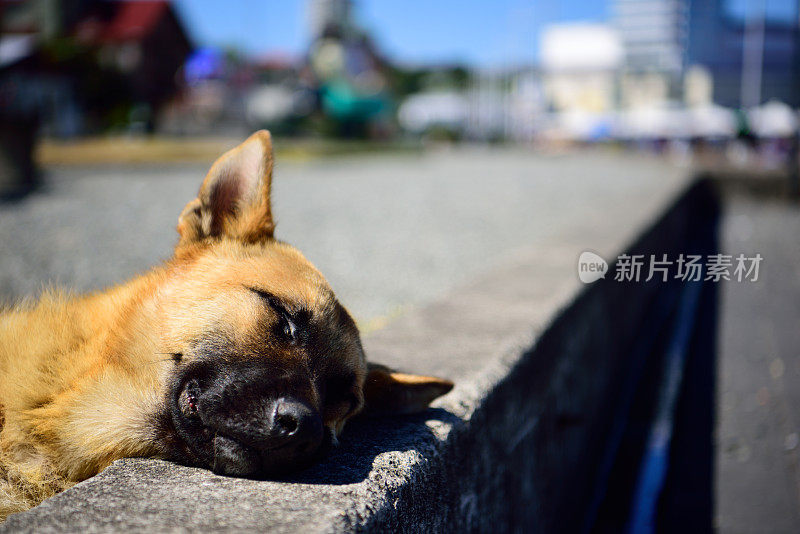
<point x="268" y="364"/>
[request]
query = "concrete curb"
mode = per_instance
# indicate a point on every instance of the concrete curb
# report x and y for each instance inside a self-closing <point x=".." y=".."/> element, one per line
<point x="518" y="445"/>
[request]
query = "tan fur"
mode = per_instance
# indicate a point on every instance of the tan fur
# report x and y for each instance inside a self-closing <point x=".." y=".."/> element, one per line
<point x="82" y="377"/>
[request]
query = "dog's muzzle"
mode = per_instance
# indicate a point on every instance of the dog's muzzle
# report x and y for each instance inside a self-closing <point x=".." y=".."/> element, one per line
<point x="239" y="431"/>
<point x="289" y="437"/>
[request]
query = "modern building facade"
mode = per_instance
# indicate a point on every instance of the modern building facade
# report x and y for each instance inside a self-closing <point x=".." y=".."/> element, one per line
<point x="653" y="32"/>
<point x="751" y="59"/>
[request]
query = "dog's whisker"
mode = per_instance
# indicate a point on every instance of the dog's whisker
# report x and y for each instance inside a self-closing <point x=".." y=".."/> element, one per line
<point x="174" y="356"/>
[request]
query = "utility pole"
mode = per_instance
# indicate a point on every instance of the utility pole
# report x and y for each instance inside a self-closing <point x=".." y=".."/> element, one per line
<point x="753" y="55"/>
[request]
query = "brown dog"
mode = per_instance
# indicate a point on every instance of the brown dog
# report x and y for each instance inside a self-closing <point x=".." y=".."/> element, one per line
<point x="234" y="355"/>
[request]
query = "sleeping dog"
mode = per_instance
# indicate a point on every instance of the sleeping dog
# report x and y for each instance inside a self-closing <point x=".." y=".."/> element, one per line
<point x="233" y="355"/>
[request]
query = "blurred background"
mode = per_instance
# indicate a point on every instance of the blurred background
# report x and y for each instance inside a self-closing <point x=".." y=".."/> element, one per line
<point x="713" y="79"/>
<point x="420" y="144"/>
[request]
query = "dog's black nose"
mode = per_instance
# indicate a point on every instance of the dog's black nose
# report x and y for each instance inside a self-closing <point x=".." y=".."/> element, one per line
<point x="295" y="423"/>
<point x="289" y="437"/>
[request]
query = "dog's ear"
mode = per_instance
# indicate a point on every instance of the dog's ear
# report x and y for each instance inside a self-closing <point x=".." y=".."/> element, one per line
<point x="389" y="392"/>
<point x="234" y="199"/>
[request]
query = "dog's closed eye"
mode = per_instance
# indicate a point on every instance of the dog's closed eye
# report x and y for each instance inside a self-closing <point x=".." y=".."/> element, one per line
<point x="288" y="327"/>
<point x="288" y="324"/>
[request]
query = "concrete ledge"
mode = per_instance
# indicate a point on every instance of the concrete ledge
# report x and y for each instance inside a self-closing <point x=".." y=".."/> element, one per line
<point x="538" y="359"/>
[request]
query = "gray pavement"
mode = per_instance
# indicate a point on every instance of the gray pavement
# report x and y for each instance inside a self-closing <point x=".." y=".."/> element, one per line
<point x="387" y="231"/>
<point x="758" y="415"/>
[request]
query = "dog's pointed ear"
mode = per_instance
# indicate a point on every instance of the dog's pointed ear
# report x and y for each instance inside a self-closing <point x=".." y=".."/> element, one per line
<point x="389" y="392"/>
<point x="234" y="200"/>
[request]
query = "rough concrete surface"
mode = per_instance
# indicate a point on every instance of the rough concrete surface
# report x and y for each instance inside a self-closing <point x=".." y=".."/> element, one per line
<point x="391" y="232"/>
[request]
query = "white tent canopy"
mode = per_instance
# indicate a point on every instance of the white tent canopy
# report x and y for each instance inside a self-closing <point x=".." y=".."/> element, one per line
<point x="712" y="121"/>
<point x="773" y="119"/>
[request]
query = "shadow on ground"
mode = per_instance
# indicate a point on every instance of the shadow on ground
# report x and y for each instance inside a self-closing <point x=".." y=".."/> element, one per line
<point x="365" y="438"/>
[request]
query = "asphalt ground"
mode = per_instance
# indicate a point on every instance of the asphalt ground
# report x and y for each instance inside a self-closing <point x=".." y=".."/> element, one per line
<point x="389" y="231"/>
<point x="757" y="468"/>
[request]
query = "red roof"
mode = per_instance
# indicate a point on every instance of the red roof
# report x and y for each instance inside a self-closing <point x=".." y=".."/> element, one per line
<point x="131" y="21"/>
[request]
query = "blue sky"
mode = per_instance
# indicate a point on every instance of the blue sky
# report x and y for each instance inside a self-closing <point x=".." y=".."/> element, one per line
<point x="485" y="33"/>
<point x="478" y="32"/>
